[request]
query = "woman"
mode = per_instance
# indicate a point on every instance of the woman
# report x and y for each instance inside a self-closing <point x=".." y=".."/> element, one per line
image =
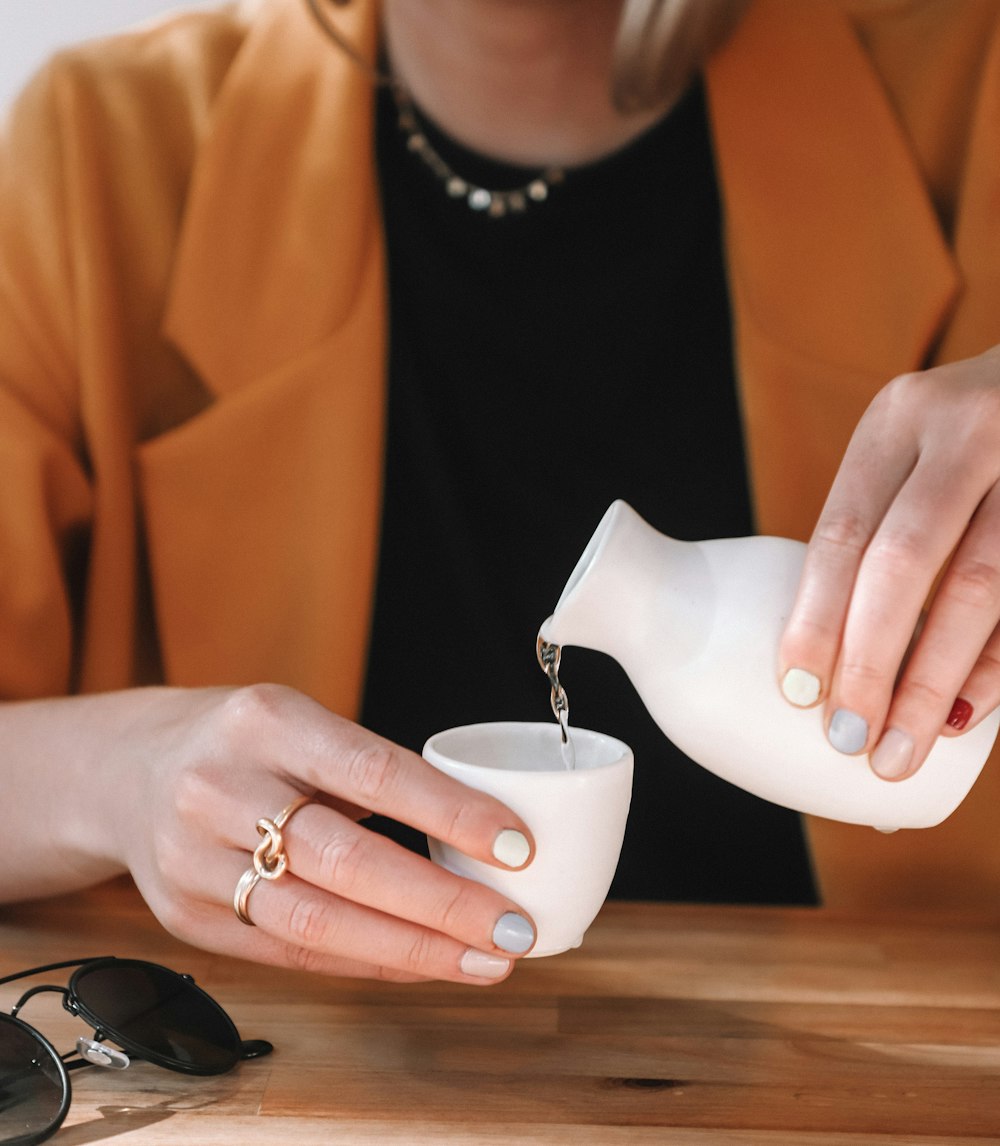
<point x="199" y="225"/>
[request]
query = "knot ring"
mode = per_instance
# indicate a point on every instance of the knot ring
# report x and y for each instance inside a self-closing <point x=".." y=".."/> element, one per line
<point x="269" y="859"/>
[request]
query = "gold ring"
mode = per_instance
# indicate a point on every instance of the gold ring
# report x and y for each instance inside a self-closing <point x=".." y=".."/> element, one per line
<point x="269" y="859"/>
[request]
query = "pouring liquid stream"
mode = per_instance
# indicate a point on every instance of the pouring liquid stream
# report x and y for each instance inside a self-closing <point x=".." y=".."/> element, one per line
<point x="566" y="749"/>
<point x="549" y="656"/>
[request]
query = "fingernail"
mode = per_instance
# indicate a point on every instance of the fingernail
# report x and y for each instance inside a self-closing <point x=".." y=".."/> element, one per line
<point x="513" y="933"/>
<point x="800" y="687"/>
<point x="483" y="965"/>
<point x="848" y="731"/>
<point x="892" y="755"/>
<point x="511" y="848"/>
<point x="960" y="715"/>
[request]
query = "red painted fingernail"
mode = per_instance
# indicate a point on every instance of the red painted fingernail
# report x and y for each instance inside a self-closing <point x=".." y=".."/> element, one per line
<point x="960" y="715"/>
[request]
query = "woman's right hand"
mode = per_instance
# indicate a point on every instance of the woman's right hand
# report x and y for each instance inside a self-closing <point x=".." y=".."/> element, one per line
<point x="180" y="787"/>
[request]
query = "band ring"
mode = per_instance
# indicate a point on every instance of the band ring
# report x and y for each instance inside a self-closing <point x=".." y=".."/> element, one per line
<point x="269" y="859"/>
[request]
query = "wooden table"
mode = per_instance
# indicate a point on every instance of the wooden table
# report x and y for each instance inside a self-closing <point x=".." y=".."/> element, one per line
<point x="682" y="1025"/>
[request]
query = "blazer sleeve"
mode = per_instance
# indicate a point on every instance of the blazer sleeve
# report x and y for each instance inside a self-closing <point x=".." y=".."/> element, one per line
<point x="45" y="493"/>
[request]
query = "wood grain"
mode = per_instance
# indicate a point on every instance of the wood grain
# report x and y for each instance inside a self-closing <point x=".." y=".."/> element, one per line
<point x="677" y="1024"/>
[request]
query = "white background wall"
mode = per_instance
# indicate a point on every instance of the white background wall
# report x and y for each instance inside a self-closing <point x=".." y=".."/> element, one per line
<point x="30" y="30"/>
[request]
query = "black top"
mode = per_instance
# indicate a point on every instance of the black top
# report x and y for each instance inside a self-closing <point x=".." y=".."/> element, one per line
<point x="542" y="365"/>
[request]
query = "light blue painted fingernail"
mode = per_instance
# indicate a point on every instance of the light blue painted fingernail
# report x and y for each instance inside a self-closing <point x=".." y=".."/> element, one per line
<point x="513" y="933"/>
<point x="848" y="731"/>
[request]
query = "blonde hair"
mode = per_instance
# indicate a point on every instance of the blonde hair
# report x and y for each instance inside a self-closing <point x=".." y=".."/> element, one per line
<point x="662" y="44"/>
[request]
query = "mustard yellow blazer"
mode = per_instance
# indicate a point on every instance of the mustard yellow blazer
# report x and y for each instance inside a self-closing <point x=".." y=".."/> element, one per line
<point x="192" y="338"/>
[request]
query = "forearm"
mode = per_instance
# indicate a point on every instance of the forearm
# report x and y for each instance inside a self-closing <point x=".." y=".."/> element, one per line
<point x="63" y="772"/>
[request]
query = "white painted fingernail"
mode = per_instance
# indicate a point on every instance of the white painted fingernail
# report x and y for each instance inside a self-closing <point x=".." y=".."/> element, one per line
<point x="892" y="755"/>
<point x="848" y="731"/>
<point x="483" y="965"/>
<point x="511" y="848"/>
<point x="800" y="687"/>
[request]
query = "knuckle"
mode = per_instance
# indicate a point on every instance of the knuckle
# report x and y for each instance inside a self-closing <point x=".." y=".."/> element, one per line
<point x="862" y="675"/>
<point x="462" y="820"/>
<point x="897" y="551"/>
<point x="373" y="773"/>
<point x="308" y="923"/>
<point x="903" y="387"/>
<point x="247" y="710"/>
<point x="305" y="959"/>
<point x="808" y="633"/>
<point x="341" y="858"/>
<point x="989" y="662"/>
<point x="981" y="413"/>
<point x="420" y="954"/>
<point x="925" y="695"/>
<point x="897" y="399"/>
<point x="967" y="401"/>
<point x="974" y="583"/>
<point x="454" y="909"/>
<point x="843" y="532"/>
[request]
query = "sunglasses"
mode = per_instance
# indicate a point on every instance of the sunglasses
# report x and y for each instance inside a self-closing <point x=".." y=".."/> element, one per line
<point x="150" y="1012"/>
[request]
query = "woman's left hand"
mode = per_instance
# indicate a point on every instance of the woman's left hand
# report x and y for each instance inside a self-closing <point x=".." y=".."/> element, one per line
<point x="914" y="513"/>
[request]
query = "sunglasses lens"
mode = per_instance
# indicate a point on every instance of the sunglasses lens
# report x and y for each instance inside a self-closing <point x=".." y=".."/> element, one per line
<point x="34" y="1094"/>
<point x="159" y="1015"/>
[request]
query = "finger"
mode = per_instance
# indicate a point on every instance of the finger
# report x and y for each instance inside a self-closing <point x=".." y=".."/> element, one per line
<point x="921" y="528"/>
<point x="308" y="919"/>
<point x="213" y="927"/>
<point x="980" y="694"/>
<point x="956" y="653"/>
<point x="358" y="865"/>
<point x="402" y="785"/>
<point x="332" y="852"/>
<point x="317" y="750"/>
<point x="860" y="496"/>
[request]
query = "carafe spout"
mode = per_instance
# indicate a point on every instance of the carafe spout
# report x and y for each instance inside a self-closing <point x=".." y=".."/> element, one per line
<point x="632" y="589"/>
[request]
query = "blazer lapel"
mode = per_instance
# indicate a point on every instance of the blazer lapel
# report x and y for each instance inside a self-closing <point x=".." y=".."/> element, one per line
<point x="840" y="275"/>
<point x="282" y="212"/>
<point x="976" y="325"/>
<point x="262" y="511"/>
<point x="875" y="298"/>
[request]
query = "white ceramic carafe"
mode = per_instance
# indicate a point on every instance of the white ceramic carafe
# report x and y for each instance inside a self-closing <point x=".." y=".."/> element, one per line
<point x="696" y="627"/>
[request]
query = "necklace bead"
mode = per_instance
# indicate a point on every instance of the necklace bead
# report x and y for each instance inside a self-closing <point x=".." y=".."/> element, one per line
<point x="483" y="200"/>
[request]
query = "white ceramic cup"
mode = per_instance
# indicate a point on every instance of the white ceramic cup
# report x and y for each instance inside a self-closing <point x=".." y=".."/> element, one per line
<point x="577" y="817"/>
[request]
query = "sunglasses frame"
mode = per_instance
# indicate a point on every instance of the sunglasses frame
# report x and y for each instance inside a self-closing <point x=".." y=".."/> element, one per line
<point x="63" y="1069"/>
<point x="92" y="1052"/>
